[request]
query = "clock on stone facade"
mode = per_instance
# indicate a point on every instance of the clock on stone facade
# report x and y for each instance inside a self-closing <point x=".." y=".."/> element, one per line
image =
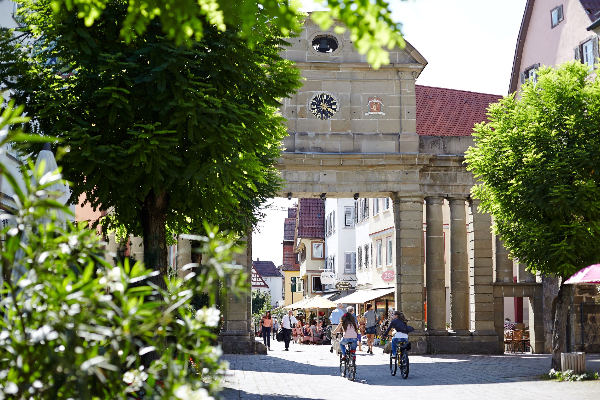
<point x="323" y="106"/>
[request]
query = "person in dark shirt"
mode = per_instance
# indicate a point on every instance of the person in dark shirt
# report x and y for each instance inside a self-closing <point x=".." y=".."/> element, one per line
<point x="399" y="323"/>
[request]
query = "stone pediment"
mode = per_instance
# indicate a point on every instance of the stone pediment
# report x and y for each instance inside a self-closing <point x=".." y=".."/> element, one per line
<point x="340" y="49"/>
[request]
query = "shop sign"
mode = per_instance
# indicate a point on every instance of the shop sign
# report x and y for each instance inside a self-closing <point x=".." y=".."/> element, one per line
<point x="327" y="278"/>
<point x="388" y="276"/>
<point x="343" y="285"/>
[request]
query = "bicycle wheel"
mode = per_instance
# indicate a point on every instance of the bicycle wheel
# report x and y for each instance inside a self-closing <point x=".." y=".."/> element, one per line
<point x="352" y="369"/>
<point x="343" y="367"/>
<point x="404" y="366"/>
<point x="393" y="364"/>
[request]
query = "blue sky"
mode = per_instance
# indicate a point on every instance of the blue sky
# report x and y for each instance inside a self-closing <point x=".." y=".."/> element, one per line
<point x="469" y="45"/>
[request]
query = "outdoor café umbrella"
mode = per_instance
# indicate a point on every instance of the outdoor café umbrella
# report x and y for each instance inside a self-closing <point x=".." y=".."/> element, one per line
<point x="318" y="302"/>
<point x="590" y="275"/>
<point x="297" y="304"/>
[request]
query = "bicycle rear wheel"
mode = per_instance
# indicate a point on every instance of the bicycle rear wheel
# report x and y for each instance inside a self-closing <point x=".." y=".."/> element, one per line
<point x="393" y="364"/>
<point x="404" y="366"/>
<point x="352" y="368"/>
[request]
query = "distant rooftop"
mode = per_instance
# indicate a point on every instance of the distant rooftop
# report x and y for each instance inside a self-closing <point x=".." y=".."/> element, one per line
<point x="311" y="219"/>
<point x="266" y="268"/>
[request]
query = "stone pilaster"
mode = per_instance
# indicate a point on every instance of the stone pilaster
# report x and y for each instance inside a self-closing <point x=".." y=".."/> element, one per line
<point x="536" y="321"/>
<point x="481" y="271"/>
<point x="434" y="258"/>
<point x="237" y="336"/>
<point x="523" y="275"/>
<point x="409" y="139"/>
<point x="503" y="264"/>
<point x="408" y="223"/>
<point x="459" y="267"/>
<point x="184" y="256"/>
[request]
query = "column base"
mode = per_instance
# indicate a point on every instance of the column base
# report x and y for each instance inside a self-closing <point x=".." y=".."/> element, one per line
<point x="240" y="342"/>
<point x="463" y="342"/>
<point x="418" y="341"/>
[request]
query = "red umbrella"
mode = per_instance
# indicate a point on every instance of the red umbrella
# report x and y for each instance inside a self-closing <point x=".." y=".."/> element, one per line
<point x="589" y="275"/>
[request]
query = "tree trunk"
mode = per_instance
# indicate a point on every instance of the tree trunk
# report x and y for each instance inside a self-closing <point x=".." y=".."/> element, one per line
<point x="153" y="216"/>
<point x="559" y="336"/>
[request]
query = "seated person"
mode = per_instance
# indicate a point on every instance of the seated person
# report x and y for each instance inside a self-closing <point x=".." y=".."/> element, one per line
<point x="402" y="329"/>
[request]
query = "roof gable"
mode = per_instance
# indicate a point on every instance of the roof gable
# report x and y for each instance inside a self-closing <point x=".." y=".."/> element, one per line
<point x="311" y="219"/>
<point x="266" y="268"/>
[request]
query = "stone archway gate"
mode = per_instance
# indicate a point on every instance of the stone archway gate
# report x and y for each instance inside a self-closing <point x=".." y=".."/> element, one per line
<point x="375" y="151"/>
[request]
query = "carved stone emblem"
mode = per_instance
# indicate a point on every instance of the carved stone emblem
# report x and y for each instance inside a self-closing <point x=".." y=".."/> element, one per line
<point x="375" y="106"/>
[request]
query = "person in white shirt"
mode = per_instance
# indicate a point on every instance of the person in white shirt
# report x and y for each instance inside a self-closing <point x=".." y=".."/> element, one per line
<point x="287" y="322"/>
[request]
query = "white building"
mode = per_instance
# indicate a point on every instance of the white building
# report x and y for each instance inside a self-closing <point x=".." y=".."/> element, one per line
<point x="271" y="277"/>
<point x="340" y="241"/>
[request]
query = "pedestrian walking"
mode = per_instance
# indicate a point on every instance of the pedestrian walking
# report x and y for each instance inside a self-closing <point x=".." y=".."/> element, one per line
<point x="267" y="324"/>
<point x="275" y="327"/>
<point x="370" y="324"/>
<point x="287" y="322"/>
<point x="361" y="331"/>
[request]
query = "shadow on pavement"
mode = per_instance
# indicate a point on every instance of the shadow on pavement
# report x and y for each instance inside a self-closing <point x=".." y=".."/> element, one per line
<point x="425" y="370"/>
<point x="230" y="394"/>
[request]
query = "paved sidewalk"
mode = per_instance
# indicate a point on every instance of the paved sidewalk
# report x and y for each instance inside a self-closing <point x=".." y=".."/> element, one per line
<point x="312" y="372"/>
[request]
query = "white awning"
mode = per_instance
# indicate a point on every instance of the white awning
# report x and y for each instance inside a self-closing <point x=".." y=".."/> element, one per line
<point x="362" y="296"/>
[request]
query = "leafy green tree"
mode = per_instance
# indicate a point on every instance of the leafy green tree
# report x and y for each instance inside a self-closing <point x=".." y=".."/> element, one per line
<point x="75" y="327"/>
<point x="369" y="21"/>
<point x="165" y="135"/>
<point x="539" y="172"/>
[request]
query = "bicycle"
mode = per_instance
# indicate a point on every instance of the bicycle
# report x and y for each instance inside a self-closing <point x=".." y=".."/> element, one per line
<point x="348" y="366"/>
<point x="401" y="360"/>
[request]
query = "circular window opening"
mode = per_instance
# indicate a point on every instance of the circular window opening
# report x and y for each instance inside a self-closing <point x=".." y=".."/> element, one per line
<point x="325" y="44"/>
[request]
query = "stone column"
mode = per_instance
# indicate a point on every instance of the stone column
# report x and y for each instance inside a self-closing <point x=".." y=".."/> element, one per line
<point x="184" y="256"/>
<point x="237" y="336"/>
<point x="408" y="224"/>
<point x="536" y="321"/>
<point x="482" y="277"/>
<point x="434" y="260"/>
<point x="503" y="264"/>
<point x="459" y="267"/>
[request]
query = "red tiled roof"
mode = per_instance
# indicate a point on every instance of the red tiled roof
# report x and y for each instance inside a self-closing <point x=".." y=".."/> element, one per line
<point x="311" y="219"/>
<point x="266" y="268"/>
<point x="292" y="212"/>
<point x="449" y="112"/>
<point x="289" y="229"/>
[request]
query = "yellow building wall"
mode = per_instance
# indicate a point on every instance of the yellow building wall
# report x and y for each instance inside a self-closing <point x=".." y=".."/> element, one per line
<point x="287" y="285"/>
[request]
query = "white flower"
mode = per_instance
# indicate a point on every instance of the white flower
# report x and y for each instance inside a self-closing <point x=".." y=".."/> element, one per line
<point x="11" y="388"/>
<point x="185" y="392"/>
<point x="73" y="241"/>
<point x="64" y="248"/>
<point x="210" y="316"/>
<point x="113" y="280"/>
<point x="44" y="333"/>
<point x="135" y="379"/>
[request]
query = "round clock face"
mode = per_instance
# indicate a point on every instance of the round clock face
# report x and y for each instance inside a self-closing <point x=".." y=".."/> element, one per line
<point x="323" y="106"/>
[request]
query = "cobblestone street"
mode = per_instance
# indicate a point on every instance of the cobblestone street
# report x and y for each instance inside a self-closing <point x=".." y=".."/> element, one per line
<point x="312" y="372"/>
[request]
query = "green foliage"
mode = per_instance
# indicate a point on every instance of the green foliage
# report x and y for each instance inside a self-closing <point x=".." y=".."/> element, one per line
<point x="75" y="327"/>
<point x="261" y="303"/>
<point x="369" y="21"/>
<point x="571" y="376"/>
<point x="167" y="136"/>
<point x="539" y="171"/>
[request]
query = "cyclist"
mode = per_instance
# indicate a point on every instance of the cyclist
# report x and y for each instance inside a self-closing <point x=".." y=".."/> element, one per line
<point x="350" y="328"/>
<point x="402" y="329"/>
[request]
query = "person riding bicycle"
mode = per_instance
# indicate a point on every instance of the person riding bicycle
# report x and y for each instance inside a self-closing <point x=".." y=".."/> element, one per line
<point x="399" y="323"/>
<point x="350" y="328"/>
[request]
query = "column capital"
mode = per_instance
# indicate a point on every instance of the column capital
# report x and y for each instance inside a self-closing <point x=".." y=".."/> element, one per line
<point x="436" y="199"/>
<point x="457" y="199"/>
<point x="412" y="197"/>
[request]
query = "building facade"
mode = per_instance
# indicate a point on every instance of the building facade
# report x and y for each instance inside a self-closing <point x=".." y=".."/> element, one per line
<point x="309" y="242"/>
<point x="340" y="239"/>
<point x="267" y="278"/>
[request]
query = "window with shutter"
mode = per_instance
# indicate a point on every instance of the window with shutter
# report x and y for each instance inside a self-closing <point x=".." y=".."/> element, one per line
<point x="359" y="256"/>
<point x="366" y="208"/>
<point x="577" y="53"/>
<point x="371" y="247"/>
<point x="379" y="253"/>
<point x="348" y="262"/>
<point x="386" y="204"/>
<point x="353" y="263"/>
<point x="356" y="209"/>
<point x="388" y="259"/>
<point x="556" y="16"/>
<point x="366" y="255"/>
<point x="348" y="216"/>
<point x="587" y="53"/>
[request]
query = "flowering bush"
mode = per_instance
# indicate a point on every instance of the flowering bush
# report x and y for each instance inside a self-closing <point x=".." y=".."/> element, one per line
<point x="571" y="376"/>
<point x="74" y="326"/>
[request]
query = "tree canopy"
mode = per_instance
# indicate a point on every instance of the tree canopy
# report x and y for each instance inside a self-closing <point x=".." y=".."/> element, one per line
<point x="164" y="135"/>
<point x="369" y="21"/>
<point x="539" y="171"/>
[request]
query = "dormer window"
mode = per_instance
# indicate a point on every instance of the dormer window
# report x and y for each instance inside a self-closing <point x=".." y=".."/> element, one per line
<point x="325" y="44"/>
<point x="556" y="15"/>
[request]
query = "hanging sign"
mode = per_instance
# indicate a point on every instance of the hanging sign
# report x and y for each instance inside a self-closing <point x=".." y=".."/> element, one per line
<point x="343" y="285"/>
<point x="327" y="278"/>
<point x="388" y="276"/>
